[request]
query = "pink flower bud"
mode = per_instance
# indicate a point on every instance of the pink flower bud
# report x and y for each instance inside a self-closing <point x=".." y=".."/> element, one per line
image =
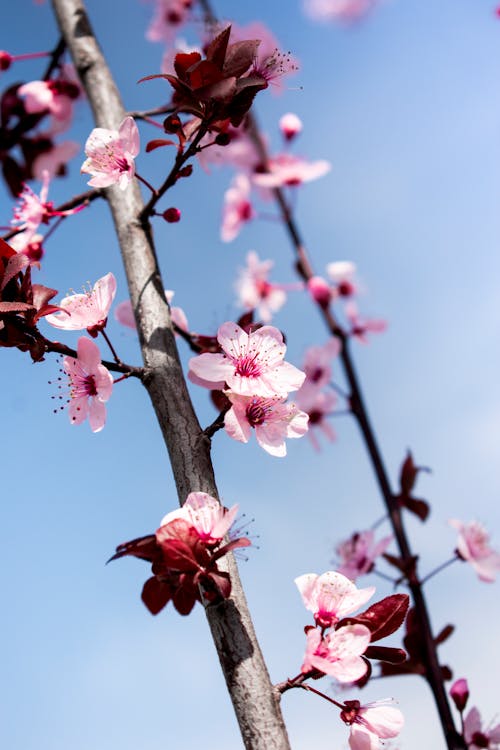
<point x="319" y="290"/>
<point x="172" y="215"/>
<point x="290" y="126"/>
<point x="459" y="693"/>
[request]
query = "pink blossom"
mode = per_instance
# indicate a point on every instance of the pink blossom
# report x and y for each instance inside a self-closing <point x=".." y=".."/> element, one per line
<point x="32" y="209"/>
<point x="474" y="546"/>
<point x="271" y="63"/>
<point x="89" y="310"/>
<point x="124" y="313"/>
<point x="338" y="10"/>
<point x="317" y="363"/>
<point x="478" y="738"/>
<point x="337" y="654"/>
<point x="240" y="152"/>
<point x="371" y="723"/>
<point x="110" y="155"/>
<point x="459" y="692"/>
<point x="210" y="519"/>
<point x="331" y="596"/>
<point x="320" y="290"/>
<point x="55" y="97"/>
<point x="361" y="326"/>
<point x="54" y="160"/>
<point x="358" y="553"/>
<point x="169" y="15"/>
<point x="318" y="405"/>
<point x="290" y="126"/>
<point x="237" y="208"/>
<point x="286" y="170"/>
<point x="90" y="385"/>
<point x="254" y="290"/>
<point x="272" y="419"/>
<point x="342" y="273"/>
<point x="252" y="364"/>
<point x="30" y="245"/>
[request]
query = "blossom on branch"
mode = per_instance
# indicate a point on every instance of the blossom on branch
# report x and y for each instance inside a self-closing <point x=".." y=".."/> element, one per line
<point x="237" y="209"/>
<point x="89" y="310"/>
<point x="474" y="547"/>
<point x="184" y="552"/>
<point x="252" y="364"/>
<point x="168" y="17"/>
<point x="358" y="553"/>
<point x="331" y="596"/>
<point x="371" y="722"/>
<point x="124" y="313"/>
<point x="478" y="737"/>
<point x="254" y="290"/>
<point x="90" y="385"/>
<point x="338" y="10"/>
<point x="286" y="170"/>
<point x="337" y="654"/>
<point x="272" y="419"/>
<point x="111" y="154"/>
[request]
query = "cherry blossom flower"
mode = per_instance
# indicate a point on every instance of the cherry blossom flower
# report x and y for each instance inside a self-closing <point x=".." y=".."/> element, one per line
<point x="210" y="519"/>
<point x="54" y="96"/>
<point x="358" y="553"/>
<point x="371" y="722"/>
<point x="90" y="385"/>
<point x="271" y="63"/>
<point x="252" y="364"/>
<point x="54" y="159"/>
<point x="317" y="364"/>
<point x="338" y="10"/>
<point x="124" y="313"/>
<point x="110" y="155"/>
<point x="342" y="273"/>
<point x="237" y="208"/>
<point x="474" y="547"/>
<point x="240" y="152"/>
<point x="272" y="419"/>
<point x="169" y="15"/>
<point x="255" y="292"/>
<point x="287" y="170"/>
<point x="459" y="692"/>
<point x="290" y="126"/>
<point x="318" y="405"/>
<point x="30" y="245"/>
<point x="89" y="310"/>
<point x="337" y="654"/>
<point x="361" y="326"/>
<point x="478" y="738"/>
<point x="331" y="596"/>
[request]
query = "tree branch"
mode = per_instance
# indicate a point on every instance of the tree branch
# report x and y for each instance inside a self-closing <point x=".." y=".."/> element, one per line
<point x="255" y="701"/>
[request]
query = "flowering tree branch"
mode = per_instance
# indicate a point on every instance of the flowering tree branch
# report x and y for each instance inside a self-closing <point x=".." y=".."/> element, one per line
<point x="255" y="701"/>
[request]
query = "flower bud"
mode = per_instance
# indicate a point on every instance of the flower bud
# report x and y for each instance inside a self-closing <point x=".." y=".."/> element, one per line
<point x="290" y="126"/>
<point x="5" y="60"/>
<point x="459" y="693"/>
<point x="172" y="215"/>
<point x="319" y="290"/>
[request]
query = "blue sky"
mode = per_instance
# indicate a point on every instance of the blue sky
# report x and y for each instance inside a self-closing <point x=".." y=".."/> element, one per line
<point x="405" y="106"/>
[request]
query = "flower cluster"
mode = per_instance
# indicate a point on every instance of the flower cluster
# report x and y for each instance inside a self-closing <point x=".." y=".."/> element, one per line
<point x="339" y="646"/>
<point x="475" y="735"/>
<point x="255" y="291"/>
<point x="184" y="553"/>
<point x="255" y="378"/>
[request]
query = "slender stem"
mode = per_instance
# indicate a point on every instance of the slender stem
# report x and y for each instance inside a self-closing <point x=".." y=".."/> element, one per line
<point x="255" y="701"/>
<point x="67" y="351"/>
<point x="112" y="348"/>
<point x="53" y="227"/>
<point x="55" y="57"/>
<point x="148" y="113"/>
<point x="30" y="56"/>
<point x="172" y="176"/>
<point x="438" y="569"/>
<point x="145" y="182"/>
<point x="322" y="695"/>
<point x="217" y="424"/>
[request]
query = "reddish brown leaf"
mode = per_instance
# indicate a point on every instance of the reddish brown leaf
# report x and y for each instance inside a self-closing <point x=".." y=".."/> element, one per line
<point x="385" y="653"/>
<point x="384" y="617"/>
<point x="158" y="143"/>
<point x="156" y="594"/>
<point x="240" y="56"/>
<point x="216" y="50"/>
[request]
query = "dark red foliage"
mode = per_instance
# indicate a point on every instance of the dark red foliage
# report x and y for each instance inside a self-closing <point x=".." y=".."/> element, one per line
<point x="383" y="617"/>
<point x="407" y="479"/>
<point x="221" y="86"/>
<point x="415" y="647"/>
<point x="22" y="304"/>
<point x="184" y="567"/>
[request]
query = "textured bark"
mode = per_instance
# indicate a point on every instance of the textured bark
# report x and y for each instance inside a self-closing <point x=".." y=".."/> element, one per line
<point x="255" y="701"/>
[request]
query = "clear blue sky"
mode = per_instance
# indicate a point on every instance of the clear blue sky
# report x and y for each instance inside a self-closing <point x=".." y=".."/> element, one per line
<point x="406" y="108"/>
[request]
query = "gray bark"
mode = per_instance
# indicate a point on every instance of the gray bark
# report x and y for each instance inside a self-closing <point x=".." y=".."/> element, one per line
<point x="255" y="701"/>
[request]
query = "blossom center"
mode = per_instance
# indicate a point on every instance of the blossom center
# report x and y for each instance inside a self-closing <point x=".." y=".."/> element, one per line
<point x="257" y="412"/>
<point x="248" y="367"/>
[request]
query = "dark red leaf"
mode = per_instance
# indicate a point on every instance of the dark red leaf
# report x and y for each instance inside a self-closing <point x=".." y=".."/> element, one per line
<point x="419" y="507"/>
<point x="15" y="265"/>
<point x="16" y="307"/>
<point x="156" y="594"/>
<point x="240" y="56"/>
<point x="185" y="60"/>
<point x="185" y="598"/>
<point x="383" y="617"/>
<point x="158" y="143"/>
<point x="216" y="50"/>
<point x="144" y="547"/>
<point x="385" y="653"/>
<point x="444" y="634"/>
